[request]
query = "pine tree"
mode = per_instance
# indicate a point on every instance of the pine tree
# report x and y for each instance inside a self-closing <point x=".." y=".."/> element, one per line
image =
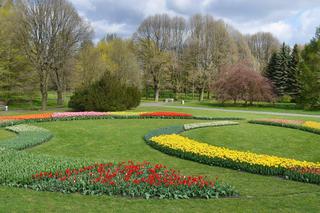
<point x="293" y="86"/>
<point x="271" y="69"/>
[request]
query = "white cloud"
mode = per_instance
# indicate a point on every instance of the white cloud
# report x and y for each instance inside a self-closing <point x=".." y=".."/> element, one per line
<point x="103" y="27"/>
<point x="289" y="20"/>
<point x="84" y="4"/>
<point x="280" y="29"/>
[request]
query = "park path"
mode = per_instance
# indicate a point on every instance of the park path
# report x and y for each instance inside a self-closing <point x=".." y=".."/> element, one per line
<point x="159" y="104"/>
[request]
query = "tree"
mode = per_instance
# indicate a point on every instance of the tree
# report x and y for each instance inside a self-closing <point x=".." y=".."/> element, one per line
<point x="177" y="38"/>
<point x="262" y="46"/>
<point x="89" y="66"/>
<point x="15" y="71"/>
<point x="293" y="86"/>
<point x="310" y="73"/>
<point x="241" y="82"/>
<point x="71" y="31"/>
<point x="271" y="69"/>
<point x="50" y="31"/>
<point x="153" y="41"/>
<point x="279" y="71"/>
<point x="210" y="48"/>
<point x="119" y="58"/>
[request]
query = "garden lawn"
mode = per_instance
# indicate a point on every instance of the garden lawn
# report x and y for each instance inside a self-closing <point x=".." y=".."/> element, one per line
<point x="282" y="108"/>
<point x="122" y="140"/>
<point x="5" y="134"/>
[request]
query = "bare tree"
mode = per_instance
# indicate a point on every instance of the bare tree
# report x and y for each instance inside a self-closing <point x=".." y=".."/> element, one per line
<point x="262" y="46"/>
<point x="177" y="40"/>
<point x="71" y="31"/>
<point x="50" y="31"/>
<point x="210" y="48"/>
<point x="153" y="42"/>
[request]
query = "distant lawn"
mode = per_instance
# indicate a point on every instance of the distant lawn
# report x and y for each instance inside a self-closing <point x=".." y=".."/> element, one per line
<point x="5" y="134"/>
<point x="278" y="141"/>
<point x="278" y="107"/>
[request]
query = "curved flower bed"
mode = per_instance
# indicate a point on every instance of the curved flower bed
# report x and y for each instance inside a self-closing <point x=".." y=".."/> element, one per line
<point x="308" y="126"/>
<point x="53" y="173"/>
<point x="209" y="124"/>
<point x="167" y="141"/>
<point x="28" y="136"/>
<point x="130" y="179"/>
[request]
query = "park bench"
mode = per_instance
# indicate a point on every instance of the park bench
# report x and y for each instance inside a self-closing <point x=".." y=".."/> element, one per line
<point x="167" y="100"/>
<point x="3" y="107"/>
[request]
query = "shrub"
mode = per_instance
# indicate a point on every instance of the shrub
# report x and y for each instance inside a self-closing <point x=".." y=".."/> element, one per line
<point x="107" y="94"/>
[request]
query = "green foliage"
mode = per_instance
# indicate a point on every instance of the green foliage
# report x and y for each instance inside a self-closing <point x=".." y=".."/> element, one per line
<point x="283" y="71"/>
<point x="107" y="94"/>
<point x="28" y="136"/>
<point x="310" y="74"/>
<point x="15" y="71"/>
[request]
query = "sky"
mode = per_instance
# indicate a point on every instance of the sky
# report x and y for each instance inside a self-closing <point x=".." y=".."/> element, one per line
<point x="291" y="21"/>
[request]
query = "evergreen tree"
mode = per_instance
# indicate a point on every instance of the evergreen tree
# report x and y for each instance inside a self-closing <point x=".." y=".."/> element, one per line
<point x="293" y="86"/>
<point x="283" y="70"/>
<point x="271" y="69"/>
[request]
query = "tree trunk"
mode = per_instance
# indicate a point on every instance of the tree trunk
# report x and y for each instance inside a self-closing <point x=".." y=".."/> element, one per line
<point x="193" y="88"/>
<point x="44" y="97"/>
<point x="208" y="95"/>
<point x="156" y="92"/>
<point x="201" y="94"/>
<point x="175" y="94"/>
<point x="60" y="100"/>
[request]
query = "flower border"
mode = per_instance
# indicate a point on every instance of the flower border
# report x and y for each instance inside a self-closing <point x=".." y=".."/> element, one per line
<point x="297" y="174"/>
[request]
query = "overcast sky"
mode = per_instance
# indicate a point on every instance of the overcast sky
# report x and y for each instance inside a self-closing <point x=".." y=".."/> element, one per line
<point x="292" y="21"/>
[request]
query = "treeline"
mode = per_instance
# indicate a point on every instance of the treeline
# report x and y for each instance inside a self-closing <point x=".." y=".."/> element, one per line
<point x="45" y="45"/>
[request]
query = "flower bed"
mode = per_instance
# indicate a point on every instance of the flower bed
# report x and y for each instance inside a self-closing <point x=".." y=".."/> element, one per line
<point x="308" y="126"/>
<point x="256" y="163"/>
<point x="209" y="124"/>
<point x="312" y="124"/>
<point x="130" y="179"/>
<point x="77" y="114"/>
<point x="28" y="136"/>
<point x="165" y="114"/>
<point x="70" y="116"/>
<point x="126" y="113"/>
<point x="26" y="117"/>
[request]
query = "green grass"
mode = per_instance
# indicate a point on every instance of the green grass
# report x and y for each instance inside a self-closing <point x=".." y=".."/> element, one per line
<point x="122" y="140"/>
<point x="278" y="141"/>
<point x="23" y="102"/>
<point x="5" y="135"/>
<point x="284" y="108"/>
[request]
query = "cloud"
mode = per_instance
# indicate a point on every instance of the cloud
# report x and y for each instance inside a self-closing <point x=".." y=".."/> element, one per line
<point x="289" y="20"/>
